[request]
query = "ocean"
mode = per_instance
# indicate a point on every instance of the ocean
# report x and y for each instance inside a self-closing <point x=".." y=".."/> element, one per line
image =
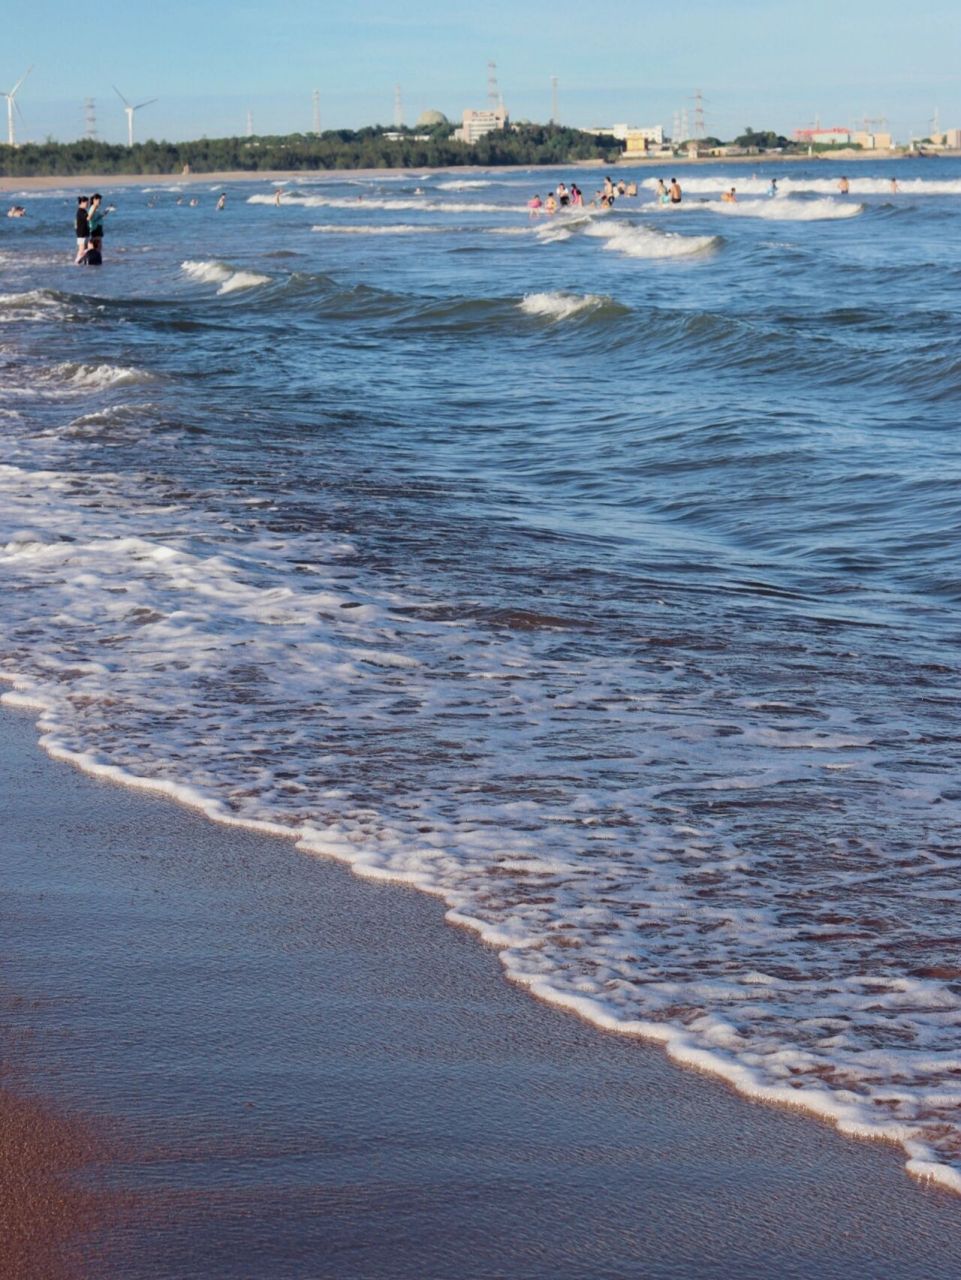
<point x="597" y="574"/>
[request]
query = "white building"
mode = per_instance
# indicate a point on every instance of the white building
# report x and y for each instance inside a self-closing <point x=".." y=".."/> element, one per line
<point x="477" y="124"/>
<point x="648" y="135"/>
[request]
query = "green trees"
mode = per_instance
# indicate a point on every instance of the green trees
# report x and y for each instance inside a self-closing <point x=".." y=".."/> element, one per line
<point x="764" y="140"/>
<point x="368" y="148"/>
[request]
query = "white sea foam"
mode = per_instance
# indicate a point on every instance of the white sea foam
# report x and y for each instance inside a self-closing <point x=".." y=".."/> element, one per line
<point x="96" y="377"/>
<point x="793" y="184"/>
<point x="174" y="664"/>
<point x="33" y="304"/>
<point x="635" y="241"/>
<point x="559" y="305"/>
<point x="369" y="229"/>
<point x="228" y="279"/>
<point x="464" y="184"/>
<point x="777" y="210"/>
<point x="360" y="203"/>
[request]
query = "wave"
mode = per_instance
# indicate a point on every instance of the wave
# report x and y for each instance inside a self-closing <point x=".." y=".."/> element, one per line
<point x="645" y="925"/>
<point x="229" y="279"/>
<point x="378" y="202"/>
<point x="34" y="304"/>
<point x="368" y="229"/>
<point x="648" y="242"/>
<point x="793" y="185"/>
<point x="464" y="184"/>
<point x="784" y="210"/>
<point x="556" y="305"/>
<point x="96" y="377"/>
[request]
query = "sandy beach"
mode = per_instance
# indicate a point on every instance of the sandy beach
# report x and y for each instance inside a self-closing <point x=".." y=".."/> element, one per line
<point x="309" y="1075"/>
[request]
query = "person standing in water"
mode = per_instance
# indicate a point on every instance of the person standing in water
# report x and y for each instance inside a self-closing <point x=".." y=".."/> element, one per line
<point x="222" y="202"/>
<point x="82" y="227"/>
<point x="93" y="256"/>
<point x="844" y="186"/>
<point x="675" y="191"/>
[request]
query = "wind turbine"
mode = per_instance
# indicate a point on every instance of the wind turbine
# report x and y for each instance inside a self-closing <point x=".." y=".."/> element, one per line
<point x="11" y="136"/>
<point x="130" y="110"/>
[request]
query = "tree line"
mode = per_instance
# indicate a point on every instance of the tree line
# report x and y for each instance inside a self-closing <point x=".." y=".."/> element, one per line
<point x="368" y="148"/>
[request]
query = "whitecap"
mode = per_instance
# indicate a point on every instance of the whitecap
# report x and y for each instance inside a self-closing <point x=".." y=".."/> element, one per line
<point x="227" y="278"/>
<point x="556" y="305"/>
<point x="646" y="242"/>
<point x="97" y="376"/>
<point x="368" y="229"/>
<point x="376" y="202"/>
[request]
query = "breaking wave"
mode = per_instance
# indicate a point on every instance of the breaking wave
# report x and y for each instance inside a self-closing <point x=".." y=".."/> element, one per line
<point x="378" y="202"/>
<point x="368" y="229"/>
<point x="227" y="278"/>
<point x="98" y="377"/>
<point x="866" y="186"/>
<point x="558" y="305"/>
<point x="648" y="242"/>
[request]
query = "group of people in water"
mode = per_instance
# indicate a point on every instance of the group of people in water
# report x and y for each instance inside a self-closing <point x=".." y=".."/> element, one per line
<point x="573" y="198"/>
<point x="89" y="228"/>
<point x="664" y="193"/>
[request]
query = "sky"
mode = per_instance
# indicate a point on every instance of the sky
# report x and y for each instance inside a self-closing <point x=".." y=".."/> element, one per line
<point x="210" y="62"/>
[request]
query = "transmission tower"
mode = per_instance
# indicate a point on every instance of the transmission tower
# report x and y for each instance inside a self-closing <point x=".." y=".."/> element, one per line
<point x="90" y="119"/>
<point x="553" y="99"/>
<point x="250" y="123"/>
<point x="676" y="128"/>
<point x="398" y="108"/>
<point x="685" y="132"/>
<point x="316" y="101"/>
<point x="493" y="93"/>
<point x="698" y="100"/>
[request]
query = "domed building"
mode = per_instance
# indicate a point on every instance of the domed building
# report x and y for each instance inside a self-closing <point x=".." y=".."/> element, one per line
<point x="428" y="119"/>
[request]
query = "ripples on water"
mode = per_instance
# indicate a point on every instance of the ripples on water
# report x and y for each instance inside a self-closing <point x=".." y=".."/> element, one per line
<point x="599" y="575"/>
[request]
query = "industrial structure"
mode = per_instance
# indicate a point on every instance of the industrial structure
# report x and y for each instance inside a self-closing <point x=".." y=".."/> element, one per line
<point x="477" y="124"/>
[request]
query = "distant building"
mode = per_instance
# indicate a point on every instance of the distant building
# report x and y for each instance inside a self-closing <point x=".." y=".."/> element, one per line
<point x="478" y="124"/>
<point x="817" y="137"/>
<point x="952" y="139"/>
<point x="872" y="141"/>
<point x="642" y="141"/>
<point x="638" y="137"/>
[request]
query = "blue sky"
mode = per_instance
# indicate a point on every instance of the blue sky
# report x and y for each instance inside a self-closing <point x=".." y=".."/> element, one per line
<point x="209" y="62"/>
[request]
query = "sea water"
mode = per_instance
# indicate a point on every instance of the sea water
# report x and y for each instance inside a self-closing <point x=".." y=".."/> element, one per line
<point x="597" y="573"/>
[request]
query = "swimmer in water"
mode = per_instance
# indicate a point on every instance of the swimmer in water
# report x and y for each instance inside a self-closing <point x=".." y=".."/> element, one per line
<point x="675" y="191"/>
<point x="844" y="186"/>
<point x="730" y="197"/>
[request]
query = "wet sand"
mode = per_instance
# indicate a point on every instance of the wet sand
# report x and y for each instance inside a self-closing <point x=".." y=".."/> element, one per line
<point x="314" y="1076"/>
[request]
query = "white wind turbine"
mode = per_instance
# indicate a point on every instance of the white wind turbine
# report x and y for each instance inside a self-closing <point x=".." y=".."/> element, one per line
<point x="130" y="110"/>
<point x="11" y="135"/>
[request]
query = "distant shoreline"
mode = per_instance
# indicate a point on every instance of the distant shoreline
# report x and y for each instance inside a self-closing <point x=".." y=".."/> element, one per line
<point x="87" y="181"/>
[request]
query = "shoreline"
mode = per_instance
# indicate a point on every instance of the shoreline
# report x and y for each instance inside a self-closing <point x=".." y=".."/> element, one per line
<point x="85" y="181"/>
<point x="294" y="1046"/>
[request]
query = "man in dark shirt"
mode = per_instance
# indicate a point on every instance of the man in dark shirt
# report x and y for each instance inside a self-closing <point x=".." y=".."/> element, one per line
<point x="83" y="229"/>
